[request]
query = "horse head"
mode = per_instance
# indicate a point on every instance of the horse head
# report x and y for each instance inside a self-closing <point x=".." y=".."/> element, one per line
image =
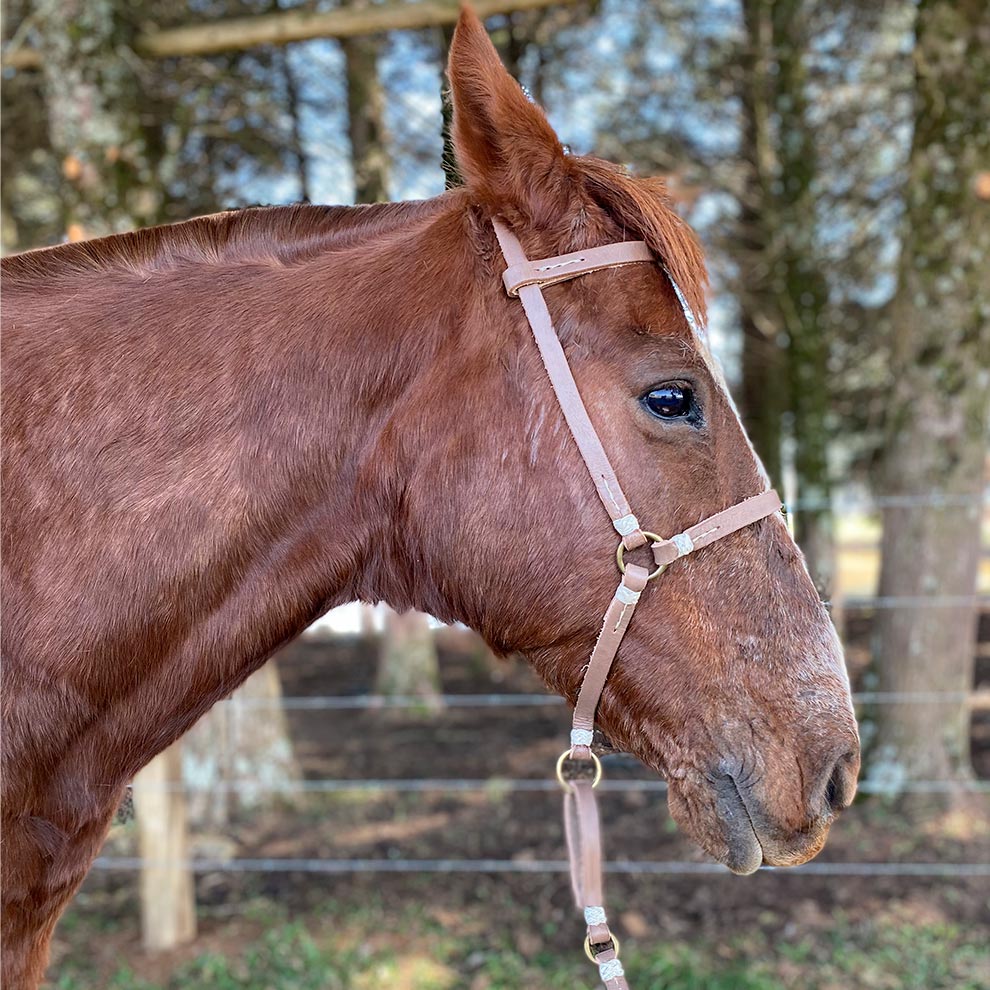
<point x="731" y="681"/>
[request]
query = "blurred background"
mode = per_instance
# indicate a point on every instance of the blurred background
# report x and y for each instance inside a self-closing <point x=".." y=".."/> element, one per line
<point x="376" y="806"/>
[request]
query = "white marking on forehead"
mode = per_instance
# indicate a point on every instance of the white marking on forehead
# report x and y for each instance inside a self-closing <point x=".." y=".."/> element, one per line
<point x="696" y="328"/>
<point x="699" y="334"/>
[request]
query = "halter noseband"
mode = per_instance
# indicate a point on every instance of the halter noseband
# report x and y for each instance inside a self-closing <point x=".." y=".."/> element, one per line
<point x="524" y="278"/>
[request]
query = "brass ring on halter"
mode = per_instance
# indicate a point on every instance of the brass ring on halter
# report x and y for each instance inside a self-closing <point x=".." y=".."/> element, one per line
<point x="620" y="556"/>
<point x="564" y="782"/>
<point x="587" y="946"/>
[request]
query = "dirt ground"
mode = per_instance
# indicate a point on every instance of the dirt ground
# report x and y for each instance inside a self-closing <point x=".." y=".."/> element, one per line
<point x="533" y="912"/>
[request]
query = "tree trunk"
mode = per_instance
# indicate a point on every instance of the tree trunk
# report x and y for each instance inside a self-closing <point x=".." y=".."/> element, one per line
<point x="366" y="118"/>
<point x="367" y="622"/>
<point x="802" y="290"/>
<point x="239" y="755"/>
<point x="785" y="285"/>
<point x="939" y="404"/>
<point x="293" y="106"/>
<point x="168" y="899"/>
<point x="764" y="396"/>
<point x="92" y="98"/>
<point x="407" y="663"/>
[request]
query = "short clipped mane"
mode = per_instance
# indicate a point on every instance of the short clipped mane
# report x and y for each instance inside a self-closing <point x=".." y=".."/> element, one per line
<point x="284" y="235"/>
<point x="278" y="235"/>
<point x="644" y="210"/>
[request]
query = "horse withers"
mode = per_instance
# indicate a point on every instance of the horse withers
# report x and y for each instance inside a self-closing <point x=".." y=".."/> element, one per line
<point x="215" y="431"/>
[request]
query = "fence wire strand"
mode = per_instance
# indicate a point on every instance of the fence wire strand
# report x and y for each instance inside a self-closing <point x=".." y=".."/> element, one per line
<point x="497" y="786"/>
<point x="630" y="867"/>
<point x="375" y="702"/>
<point x="847" y="504"/>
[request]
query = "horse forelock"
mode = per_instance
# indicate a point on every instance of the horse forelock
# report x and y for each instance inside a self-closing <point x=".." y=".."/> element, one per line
<point x="643" y="209"/>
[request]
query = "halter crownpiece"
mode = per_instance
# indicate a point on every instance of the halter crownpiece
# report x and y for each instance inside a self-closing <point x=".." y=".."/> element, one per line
<point x="524" y="279"/>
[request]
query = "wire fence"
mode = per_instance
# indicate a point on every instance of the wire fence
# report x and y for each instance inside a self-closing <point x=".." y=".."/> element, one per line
<point x="498" y="786"/>
<point x="377" y="702"/>
<point x="644" y="867"/>
<point x="916" y="602"/>
<point x="853" y="503"/>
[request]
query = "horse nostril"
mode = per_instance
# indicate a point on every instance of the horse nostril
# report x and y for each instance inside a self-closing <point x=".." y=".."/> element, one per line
<point x="841" y="784"/>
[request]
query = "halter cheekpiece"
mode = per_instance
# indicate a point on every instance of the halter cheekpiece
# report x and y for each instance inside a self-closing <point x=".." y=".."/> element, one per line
<point x="579" y="769"/>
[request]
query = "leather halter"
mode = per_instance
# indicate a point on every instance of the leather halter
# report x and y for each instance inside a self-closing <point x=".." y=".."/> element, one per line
<point x="578" y="768"/>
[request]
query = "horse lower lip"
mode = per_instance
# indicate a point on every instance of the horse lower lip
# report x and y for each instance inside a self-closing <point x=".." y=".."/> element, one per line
<point x="744" y="851"/>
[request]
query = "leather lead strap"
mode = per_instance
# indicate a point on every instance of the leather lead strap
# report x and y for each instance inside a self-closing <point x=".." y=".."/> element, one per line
<point x="524" y="278"/>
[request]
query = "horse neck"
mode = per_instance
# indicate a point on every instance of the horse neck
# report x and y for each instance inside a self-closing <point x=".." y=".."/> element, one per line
<point x="232" y="474"/>
<point x="382" y="317"/>
<point x="338" y="346"/>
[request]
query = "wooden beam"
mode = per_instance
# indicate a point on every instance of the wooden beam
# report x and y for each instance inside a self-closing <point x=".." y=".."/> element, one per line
<point x="168" y="899"/>
<point x="238" y="33"/>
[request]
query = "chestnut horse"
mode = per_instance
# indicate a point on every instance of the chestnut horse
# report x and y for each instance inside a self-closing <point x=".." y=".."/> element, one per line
<point x="215" y="431"/>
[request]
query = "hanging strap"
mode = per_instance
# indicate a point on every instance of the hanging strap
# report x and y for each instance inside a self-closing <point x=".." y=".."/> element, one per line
<point x="581" y="822"/>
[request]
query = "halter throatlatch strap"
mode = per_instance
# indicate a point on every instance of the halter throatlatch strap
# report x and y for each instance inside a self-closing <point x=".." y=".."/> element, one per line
<point x="524" y="278"/>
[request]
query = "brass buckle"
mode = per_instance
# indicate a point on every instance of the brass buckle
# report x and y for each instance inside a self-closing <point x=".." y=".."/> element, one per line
<point x="613" y="938"/>
<point x="564" y="782"/>
<point x="620" y="556"/>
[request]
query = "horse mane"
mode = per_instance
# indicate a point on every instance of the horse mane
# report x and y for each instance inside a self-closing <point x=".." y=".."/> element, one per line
<point x="280" y="235"/>
<point x="286" y="235"/>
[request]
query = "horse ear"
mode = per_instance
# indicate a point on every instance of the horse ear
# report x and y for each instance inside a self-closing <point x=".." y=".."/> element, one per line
<point x="506" y="149"/>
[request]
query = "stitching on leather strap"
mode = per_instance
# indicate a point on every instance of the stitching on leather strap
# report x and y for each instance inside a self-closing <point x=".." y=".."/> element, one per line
<point x="559" y="264"/>
<point x="562" y="268"/>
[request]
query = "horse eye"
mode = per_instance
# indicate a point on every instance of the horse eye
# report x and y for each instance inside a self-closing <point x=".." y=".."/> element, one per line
<point x="668" y="401"/>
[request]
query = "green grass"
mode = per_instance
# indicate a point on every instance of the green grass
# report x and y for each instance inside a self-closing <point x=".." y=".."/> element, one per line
<point x="288" y="958"/>
<point x="413" y="952"/>
<point x="911" y="957"/>
<point x="285" y="958"/>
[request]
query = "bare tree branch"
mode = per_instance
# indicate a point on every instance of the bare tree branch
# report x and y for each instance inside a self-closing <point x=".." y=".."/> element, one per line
<point x="297" y="25"/>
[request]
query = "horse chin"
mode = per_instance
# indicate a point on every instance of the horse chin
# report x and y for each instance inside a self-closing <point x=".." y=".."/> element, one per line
<point x="733" y="829"/>
<point x="711" y="811"/>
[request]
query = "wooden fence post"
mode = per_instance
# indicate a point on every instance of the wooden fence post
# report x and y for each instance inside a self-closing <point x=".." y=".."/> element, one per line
<point x="168" y="899"/>
<point x="242" y="741"/>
